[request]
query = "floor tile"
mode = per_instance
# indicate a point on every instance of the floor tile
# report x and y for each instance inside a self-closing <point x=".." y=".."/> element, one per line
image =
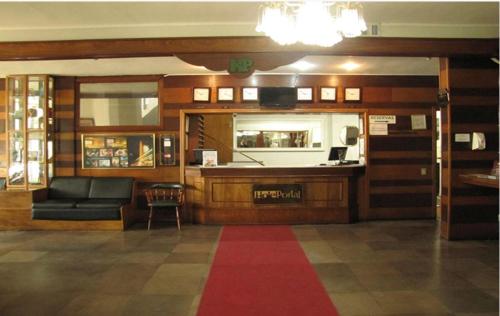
<point x="467" y="301"/>
<point x="357" y="303"/>
<point x="22" y="256"/>
<point x="164" y="305"/>
<point x="409" y="302"/>
<point x="96" y="304"/>
<point x="177" y="279"/>
<point x="188" y="257"/>
<point x="189" y="247"/>
<point x="319" y="252"/>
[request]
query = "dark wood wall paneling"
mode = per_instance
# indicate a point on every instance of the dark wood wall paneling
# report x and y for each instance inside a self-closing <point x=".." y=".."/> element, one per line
<point x="396" y="187"/>
<point x="65" y="126"/>
<point x="402" y="167"/>
<point x="469" y="211"/>
<point x="3" y="135"/>
<point x="143" y="177"/>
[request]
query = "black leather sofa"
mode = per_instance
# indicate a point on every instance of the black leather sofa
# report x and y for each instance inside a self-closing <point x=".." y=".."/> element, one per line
<point x="85" y="199"/>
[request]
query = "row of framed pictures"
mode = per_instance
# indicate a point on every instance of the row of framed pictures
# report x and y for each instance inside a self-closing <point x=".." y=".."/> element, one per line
<point x="251" y="94"/>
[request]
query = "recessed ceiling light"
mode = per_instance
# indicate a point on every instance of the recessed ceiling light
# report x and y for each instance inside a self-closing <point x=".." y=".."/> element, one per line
<point x="349" y="66"/>
<point x="303" y="65"/>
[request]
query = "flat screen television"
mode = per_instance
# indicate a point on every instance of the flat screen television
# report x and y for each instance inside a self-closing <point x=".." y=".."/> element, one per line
<point x="281" y="97"/>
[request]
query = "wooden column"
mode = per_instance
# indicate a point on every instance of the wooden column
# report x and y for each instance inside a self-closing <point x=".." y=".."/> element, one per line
<point x="469" y="212"/>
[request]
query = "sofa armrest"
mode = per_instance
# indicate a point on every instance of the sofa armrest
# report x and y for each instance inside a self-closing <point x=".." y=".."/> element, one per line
<point x="128" y="211"/>
<point x="40" y="195"/>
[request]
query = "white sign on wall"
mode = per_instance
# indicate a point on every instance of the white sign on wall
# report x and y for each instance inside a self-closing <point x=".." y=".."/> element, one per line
<point x="462" y="137"/>
<point x="388" y="119"/>
<point x="379" y="129"/>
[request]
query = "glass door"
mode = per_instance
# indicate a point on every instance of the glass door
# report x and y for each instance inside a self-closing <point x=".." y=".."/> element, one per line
<point x="16" y="131"/>
<point x="30" y="128"/>
<point x="35" y="130"/>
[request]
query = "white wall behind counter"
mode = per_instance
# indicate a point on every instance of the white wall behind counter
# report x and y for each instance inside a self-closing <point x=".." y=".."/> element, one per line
<point x="333" y="125"/>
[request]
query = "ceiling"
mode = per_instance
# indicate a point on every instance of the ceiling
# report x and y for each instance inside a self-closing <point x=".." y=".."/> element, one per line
<point x="40" y="21"/>
<point x="35" y="21"/>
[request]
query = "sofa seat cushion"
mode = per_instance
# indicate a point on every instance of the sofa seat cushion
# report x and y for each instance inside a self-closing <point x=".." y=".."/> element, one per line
<point x="57" y="204"/>
<point x="102" y="203"/>
<point x="165" y="203"/>
<point x="77" y="214"/>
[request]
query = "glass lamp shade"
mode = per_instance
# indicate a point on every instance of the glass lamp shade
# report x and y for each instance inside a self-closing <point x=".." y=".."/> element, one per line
<point x="277" y="24"/>
<point x="316" y="26"/>
<point x="350" y="22"/>
<point x="310" y="22"/>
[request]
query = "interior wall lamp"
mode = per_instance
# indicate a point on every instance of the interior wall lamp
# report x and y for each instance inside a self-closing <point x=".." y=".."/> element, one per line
<point x="323" y="23"/>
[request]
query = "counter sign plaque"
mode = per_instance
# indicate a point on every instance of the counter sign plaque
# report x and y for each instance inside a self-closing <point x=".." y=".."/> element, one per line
<point x="277" y="193"/>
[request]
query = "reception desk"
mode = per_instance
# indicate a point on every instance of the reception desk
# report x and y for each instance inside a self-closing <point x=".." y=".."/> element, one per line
<point x="272" y="195"/>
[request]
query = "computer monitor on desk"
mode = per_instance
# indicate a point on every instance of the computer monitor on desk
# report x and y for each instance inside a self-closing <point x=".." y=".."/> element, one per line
<point x="337" y="155"/>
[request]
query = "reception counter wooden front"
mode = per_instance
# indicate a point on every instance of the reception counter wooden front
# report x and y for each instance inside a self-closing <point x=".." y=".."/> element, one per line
<point x="234" y="195"/>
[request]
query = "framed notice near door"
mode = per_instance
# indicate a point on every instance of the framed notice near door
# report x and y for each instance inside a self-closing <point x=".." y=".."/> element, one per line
<point x="167" y="150"/>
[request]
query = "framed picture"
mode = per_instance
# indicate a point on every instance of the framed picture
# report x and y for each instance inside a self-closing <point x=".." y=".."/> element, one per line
<point x="305" y="94"/>
<point x="249" y="94"/>
<point x="201" y="95"/>
<point x="225" y="94"/>
<point x="352" y="94"/>
<point x="328" y="94"/>
<point x="115" y="151"/>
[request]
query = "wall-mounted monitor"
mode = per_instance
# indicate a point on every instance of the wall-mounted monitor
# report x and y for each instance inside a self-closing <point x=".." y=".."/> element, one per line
<point x="280" y="97"/>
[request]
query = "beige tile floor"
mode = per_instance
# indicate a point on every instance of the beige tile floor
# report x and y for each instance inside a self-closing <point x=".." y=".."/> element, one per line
<point x="375" y="268"/>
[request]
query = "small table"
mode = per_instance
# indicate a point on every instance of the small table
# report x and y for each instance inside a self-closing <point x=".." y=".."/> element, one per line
<point x="483" y="180"/>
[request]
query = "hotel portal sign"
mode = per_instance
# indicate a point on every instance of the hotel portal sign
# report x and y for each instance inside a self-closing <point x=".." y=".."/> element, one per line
<point x="277" y="193"/>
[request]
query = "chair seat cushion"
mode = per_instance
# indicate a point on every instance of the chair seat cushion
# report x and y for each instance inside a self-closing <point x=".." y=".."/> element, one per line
<point x="55" y="204"/>
<point x="102" y="203"/>
<point x="76" y="214"/>
<point x="165" y="203"/>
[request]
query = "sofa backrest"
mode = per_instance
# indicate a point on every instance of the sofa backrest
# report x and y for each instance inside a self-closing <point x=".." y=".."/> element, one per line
<point x="69" y="188"/>
<point x="111" y="188"/>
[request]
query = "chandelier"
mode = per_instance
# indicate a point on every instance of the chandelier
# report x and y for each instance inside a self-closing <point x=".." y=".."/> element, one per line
<point x="310" y="22"/>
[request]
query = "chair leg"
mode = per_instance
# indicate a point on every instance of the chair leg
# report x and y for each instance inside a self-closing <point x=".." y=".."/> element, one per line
<point x="150" y="217"/>
<point x="178" y="220"/>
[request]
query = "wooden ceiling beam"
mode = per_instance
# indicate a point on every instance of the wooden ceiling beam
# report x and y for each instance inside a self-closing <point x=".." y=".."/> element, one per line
<point x="149" y="47"/>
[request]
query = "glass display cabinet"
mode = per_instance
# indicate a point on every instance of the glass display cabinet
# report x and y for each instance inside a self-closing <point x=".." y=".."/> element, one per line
<point x="30" y="131"/>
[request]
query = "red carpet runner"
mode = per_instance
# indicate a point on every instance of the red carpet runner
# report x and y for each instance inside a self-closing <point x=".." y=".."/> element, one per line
<point x="262" y="271"/>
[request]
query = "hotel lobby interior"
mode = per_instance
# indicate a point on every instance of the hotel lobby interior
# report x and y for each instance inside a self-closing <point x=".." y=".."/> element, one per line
<point x="283" y="158"/>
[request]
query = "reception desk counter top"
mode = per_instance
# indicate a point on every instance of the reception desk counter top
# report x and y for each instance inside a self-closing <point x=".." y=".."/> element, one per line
<point x="276" y="170"/>
<point x="273" y="194"/>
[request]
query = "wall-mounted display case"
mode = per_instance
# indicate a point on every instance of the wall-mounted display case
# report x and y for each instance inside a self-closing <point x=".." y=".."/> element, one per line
<point x="118" y="150"/>
<point x="30" y="131"/>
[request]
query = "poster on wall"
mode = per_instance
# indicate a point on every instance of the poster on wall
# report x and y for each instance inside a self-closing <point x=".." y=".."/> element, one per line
<point x="115" y="151"/>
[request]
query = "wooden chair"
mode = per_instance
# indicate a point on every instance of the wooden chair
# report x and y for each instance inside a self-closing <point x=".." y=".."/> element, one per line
<point x="168" y="195"/>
